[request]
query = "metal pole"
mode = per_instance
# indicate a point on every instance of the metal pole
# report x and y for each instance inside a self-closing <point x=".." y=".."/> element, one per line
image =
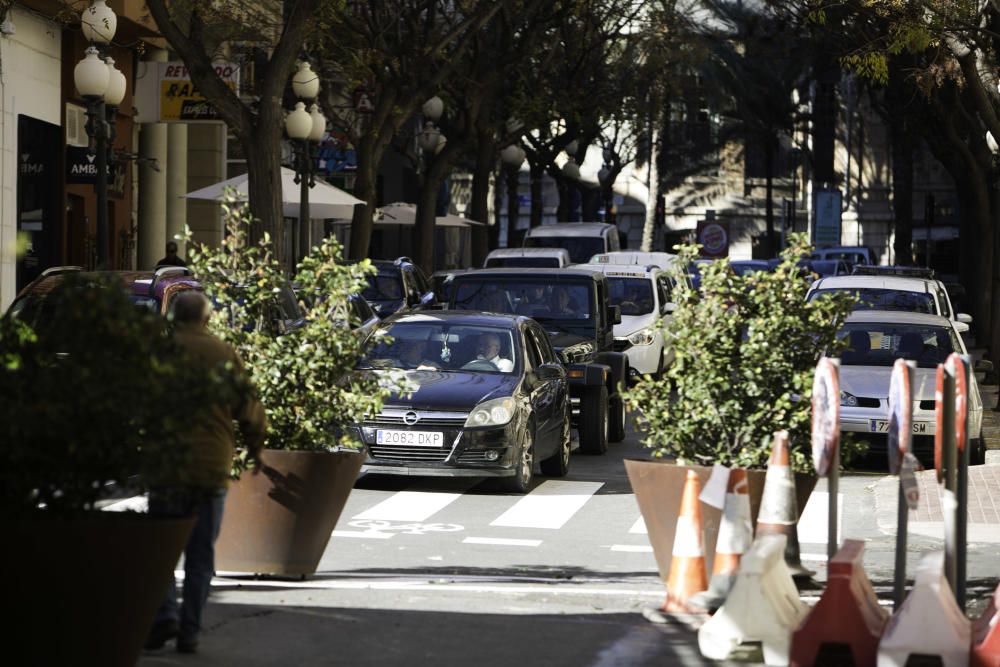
<point x="304" y="222"/>
<point x="949" y="501"/>
<point x="833" y="487"/>
<point x="961" y="520"/>
<point x="97" y="128"/>
<point x="902" y="521"/>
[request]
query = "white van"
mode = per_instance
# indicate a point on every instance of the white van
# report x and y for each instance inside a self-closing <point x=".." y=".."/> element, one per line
<point x="643" y="294"/>
<point x="520" y="258"/>
<point x="663" y="260"/>
<point x="583" y="240"/>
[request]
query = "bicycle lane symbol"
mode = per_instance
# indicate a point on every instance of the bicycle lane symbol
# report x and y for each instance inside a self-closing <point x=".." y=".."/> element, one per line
<point x="378" y="529"/>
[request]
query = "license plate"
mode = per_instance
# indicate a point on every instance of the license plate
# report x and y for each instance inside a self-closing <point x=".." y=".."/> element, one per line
<point x="882" y="426"/>
<point x="410" y="438"/>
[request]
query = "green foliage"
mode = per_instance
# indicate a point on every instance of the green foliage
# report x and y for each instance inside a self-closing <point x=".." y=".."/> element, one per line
<point x="745" y="353"/>
<point x="304" y="375"/>
<point x="97" y="394"/>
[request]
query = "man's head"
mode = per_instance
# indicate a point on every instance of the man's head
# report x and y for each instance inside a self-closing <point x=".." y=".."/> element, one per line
<point x="536" y="293"/>
<point x="171" y="248"/>
<point x="191" y="308"/>
<point x="489" y="345"/>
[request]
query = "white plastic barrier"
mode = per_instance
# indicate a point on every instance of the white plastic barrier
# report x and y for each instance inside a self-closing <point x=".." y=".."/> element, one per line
<point x="763" y="606"/>
<point x="929" y="621"/>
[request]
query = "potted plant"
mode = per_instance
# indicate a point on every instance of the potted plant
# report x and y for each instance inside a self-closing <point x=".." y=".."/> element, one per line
<point x="279" y="521"/>
<point x="93" y="398"/>
<point x="745" y="350"/>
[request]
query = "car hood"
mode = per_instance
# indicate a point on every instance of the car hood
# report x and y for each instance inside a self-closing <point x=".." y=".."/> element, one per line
<point x="873" y="382"/>
<point x="452" y="391"/>
<point x="630" y="324"/>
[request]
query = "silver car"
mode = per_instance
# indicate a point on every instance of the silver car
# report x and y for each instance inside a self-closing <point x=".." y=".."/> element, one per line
<point x="876" y="339"/>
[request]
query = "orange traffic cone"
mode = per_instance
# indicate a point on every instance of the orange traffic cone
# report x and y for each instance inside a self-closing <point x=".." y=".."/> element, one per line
<point x="687" y="567"/>
<point x="735" y="537"/>
<point x="779" y="512"/>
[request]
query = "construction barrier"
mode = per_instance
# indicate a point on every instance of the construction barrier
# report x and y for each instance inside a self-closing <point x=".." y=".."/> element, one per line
<point x="779" y="512"/>
<point x="929" y="623"/>
<point x="986" y="635"/>
<point x="687" y="566"/>
<point x="763" y="606"/>
<point x="735" y="537"/>
<point x="847" y="616"/>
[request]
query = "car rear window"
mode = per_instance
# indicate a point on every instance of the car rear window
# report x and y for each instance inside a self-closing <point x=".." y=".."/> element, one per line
<point x="580" y="248"/>
<point x="383" y="287"/>
<point x="885" y="299"/>
<point x="880" y="344"/>
<point x="633" y="295"/>
<point x="522" y="262"/>
<point x="553" y="300"/>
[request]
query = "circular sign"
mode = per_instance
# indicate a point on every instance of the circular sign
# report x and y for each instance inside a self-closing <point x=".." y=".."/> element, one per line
<point x="825" y="415"/>
<point x="900" y="415"/>
<point x="961" y="399"/>
<point x="939" y="424"/>
<point x="714" y="239"/>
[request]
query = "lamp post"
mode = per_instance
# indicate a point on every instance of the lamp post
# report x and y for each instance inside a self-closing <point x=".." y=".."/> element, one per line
<point x="305" y="127"/>
<point x="512" y="157"/>
<point x="101" y="85"/>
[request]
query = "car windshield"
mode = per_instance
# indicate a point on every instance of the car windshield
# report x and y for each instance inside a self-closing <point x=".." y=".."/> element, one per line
<point x="580" y="248"/>
<point x="881" y="343"/>
<point x="744" y="268"/>
<point x="522" y="262"/>
<point x="544" y="301"/>
<point x="633" y="295"/>
<point x="446" y="347"/>
<point x="383" y="287"/>
<point x="885" y="299"/>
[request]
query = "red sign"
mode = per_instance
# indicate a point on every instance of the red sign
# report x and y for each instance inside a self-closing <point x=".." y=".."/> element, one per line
<point x="825" y="415"/>
<point x="957" y="368"/>
<point x="900" y="414"/>
<point x="939" y="434"/>
<point x="713" y="237"/>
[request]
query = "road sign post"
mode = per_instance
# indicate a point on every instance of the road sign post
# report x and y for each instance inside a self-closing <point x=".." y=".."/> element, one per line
<point x="901" y="462"/>
<point x="826" y="439"/>
<point x="945" y="464"/>
<point x="960" y="365"/>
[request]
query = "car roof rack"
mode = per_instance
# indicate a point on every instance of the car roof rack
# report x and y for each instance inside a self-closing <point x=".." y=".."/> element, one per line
<point x="903" y="271"/>
<point x="58" y="270"/>
<point x="162" y="272"/>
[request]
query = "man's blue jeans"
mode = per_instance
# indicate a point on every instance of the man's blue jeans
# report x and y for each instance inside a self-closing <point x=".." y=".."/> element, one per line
<point x="199" y="555"/>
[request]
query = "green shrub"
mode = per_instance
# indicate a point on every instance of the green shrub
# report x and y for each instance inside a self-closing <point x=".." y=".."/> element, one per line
<point x="304" y="375"/>
<point x="745" y="350"/>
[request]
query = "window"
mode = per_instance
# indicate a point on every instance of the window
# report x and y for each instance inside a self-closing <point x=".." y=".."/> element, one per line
<point x="664" y="290"/>
<point x="534" y="356"/>
<point x="881" y="343"/>
<point x="548" y="355"/>
<point x="580" y="248"/>
<point x="633" y="295"/>
<point x="886" y="299"/>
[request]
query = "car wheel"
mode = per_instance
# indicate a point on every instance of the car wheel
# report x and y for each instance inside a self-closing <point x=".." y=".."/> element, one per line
<point x="616" y="420"/>
<point x="525" y="468"/>
<point x="594" y="421"/>
<point x="557" y="465"/>
<point x="977" y="452"/>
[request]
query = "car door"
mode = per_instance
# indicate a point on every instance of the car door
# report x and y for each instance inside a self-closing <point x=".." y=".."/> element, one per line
<point x="539" y="390"/>
<point x="550" y="391"/>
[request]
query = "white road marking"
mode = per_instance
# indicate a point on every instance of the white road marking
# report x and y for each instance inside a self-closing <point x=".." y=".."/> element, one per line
<point x="411" y="506"/>
<point x="639" y="527"/>
<point x="501" y="541"/>
<point x="813" y="524"/>
<point x="550" y="505"/>
<point x="814" y="558"/>
<point x="634" y="548"/>
<point x="364" y="534"/>
<point x="133" y="504"/>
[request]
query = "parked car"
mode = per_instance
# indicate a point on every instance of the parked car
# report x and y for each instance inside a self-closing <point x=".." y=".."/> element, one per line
<point x="573" y="306"/>
<point x="907" y="293"/>
<point x="582" y="240"/>
<point x="876" y="339"/>
<point x="643" y="294"/>
<point x="662" y="260"/>
<point x="398" y="285"/>
<point x="852" y="255"/>
<point x="522" y="258"/>
<point x="742" y="267"/>
<point x="491" y="399"/>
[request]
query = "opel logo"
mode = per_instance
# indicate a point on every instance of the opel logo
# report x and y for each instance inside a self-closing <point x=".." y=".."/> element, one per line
<point x="411" y="418"/>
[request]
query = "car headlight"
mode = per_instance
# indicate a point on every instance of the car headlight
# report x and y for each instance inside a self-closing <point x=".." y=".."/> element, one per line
<point x="848" y="399"/>
<point x="642" y="337"/>
<point x="495" y="412"/>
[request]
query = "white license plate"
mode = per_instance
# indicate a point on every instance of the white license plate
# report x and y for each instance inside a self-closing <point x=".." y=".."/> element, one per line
<point x="410" y="438"/>
<point x="882" y="426"/>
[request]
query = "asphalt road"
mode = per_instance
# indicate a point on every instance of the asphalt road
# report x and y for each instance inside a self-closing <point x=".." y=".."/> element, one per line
<point x="453" y="572"/>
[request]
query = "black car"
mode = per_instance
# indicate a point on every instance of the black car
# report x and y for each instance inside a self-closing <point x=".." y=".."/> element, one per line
<point x="489" y="399"/>
<point x="398" y="285"/>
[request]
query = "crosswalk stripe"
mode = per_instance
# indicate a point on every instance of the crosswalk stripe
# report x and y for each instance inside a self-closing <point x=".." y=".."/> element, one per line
<point x="634" y="548"/>
<point x="502" y="541"/>
<point x="363" y="534"/>
<point x="550" y="505"/>
<point x="639" y="527"/>
<point x="410" y="506"/>
<point x="813" y="524"/>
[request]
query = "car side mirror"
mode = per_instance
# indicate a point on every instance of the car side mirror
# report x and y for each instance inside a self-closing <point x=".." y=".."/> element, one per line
<point x="427" y="299"/>
<point x="615" y="314"/>
<point x="983" y="366"/>
<point x="965" y="318"/>
<point x="669" y="307"/>
<point x="961" y="327"/>
<point x="549" y="372"/>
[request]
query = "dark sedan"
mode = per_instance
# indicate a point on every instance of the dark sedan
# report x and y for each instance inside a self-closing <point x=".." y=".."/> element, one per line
<point x="488" y="398"/>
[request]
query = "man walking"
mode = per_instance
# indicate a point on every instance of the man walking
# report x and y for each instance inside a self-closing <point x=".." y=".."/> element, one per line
<point x="199" y="487"/>
<point x="172" y="258"/>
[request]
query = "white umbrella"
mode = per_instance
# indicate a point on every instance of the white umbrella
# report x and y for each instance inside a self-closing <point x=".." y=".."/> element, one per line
<point x="325" y="200"/>
<point x="457" y="220"/>
<point x="401" y="213"/>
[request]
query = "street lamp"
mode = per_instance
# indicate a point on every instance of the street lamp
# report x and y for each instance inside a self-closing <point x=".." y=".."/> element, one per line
<point x="102" y="86"/>
<point x="305" y="127"/>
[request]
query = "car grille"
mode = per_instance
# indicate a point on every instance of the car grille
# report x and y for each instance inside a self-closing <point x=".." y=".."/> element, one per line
<point x="928" y="405"/>
<point x="474" y="457"/>
<point x="400" y="453"/>
<point x="865" y="402"/>
<point x="395" y="419"/>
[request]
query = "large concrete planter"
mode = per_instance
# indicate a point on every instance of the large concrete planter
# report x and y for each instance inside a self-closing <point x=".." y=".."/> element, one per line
<point x="280" y="520"/>
<point x="658" y="486"/>
<point x="84" y="590"/>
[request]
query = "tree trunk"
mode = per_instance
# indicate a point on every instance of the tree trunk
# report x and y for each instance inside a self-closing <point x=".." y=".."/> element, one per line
<point x="563" y="210"/>
<point x="263" y="158"/>
<point x="364" y="189"/>
<point x="437" y="170"/>
<point x="902" y="186"/>
<point x="653" y="192"/>
<point x="769" y="150"/>
<point x="513" y="208"/>
<point x="483" y="238"/>
<point x="537" y="205"/>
